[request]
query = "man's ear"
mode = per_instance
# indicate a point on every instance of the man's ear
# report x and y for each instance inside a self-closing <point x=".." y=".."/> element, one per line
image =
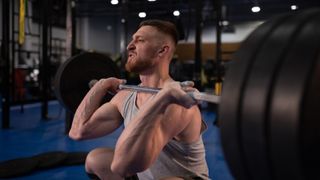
<point x="163" y="50"/>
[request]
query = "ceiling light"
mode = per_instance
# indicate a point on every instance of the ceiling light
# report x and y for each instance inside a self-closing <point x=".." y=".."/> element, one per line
<point x="114" y="2"/>
<point x="151" y="0"/>
<point x="142" y="14"/>
<point x="255" y="9"/>
<point x="294" y="7"/>
<point x="176" y="13"/>
<point x="225" y="23"/>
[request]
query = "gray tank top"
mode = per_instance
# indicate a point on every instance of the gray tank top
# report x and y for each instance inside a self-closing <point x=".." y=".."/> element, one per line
<point x="176" y="159"/>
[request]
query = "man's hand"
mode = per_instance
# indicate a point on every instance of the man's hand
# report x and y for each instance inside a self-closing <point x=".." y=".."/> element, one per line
<point x="179" y="94"/>
<point x="110" y="85"/>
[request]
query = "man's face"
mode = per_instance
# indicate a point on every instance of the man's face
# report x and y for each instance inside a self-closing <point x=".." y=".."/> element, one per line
<point x="142" y="50"/>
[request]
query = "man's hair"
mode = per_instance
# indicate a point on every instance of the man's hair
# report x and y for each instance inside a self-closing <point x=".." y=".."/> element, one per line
<point x="165" y="27"/>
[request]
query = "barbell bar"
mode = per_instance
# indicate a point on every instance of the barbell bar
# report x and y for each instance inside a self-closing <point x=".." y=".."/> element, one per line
<point x="269" y="108"/>
<point x="199" y="96"/>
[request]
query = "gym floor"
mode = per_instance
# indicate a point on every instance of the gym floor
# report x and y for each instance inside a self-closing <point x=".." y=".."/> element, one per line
<point x="29" y="135"/>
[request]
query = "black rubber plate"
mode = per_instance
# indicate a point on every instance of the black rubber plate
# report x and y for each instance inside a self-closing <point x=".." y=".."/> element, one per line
<point x="73" y="77"/>
<point x="310" y="124"/>
<point x="256" y="95"/>
<point x="232" y="94"/>
<point x="288" y="97"/>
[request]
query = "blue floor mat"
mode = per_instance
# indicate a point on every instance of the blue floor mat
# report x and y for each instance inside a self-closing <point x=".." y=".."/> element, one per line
<point x="30" y="135"/>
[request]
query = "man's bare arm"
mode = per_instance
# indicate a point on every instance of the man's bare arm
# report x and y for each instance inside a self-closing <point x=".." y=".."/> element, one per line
<point x="157" y="122"/>
<point x="92" y="120"/>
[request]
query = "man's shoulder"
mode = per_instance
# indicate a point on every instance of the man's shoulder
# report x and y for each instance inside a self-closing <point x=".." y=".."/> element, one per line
<point x="120" y="97"/>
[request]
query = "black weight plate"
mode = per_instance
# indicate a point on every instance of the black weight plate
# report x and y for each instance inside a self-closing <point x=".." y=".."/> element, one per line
<point x="256" y="95"/>
<point x="73" y="77"/>
<point x="17" y="167"/>
<point x="310" y="124"/>
<point x="50" y="159"/>
<point x="232" y="94"/>
<point x="287" y="100"/>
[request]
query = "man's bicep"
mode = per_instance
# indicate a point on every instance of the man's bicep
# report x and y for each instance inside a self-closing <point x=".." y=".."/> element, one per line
<point x="108" y="117"/>
<point x="103" y="121"/>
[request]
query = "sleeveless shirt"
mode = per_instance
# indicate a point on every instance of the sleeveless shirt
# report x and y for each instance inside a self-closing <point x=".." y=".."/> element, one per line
<point x="176" y="159"/>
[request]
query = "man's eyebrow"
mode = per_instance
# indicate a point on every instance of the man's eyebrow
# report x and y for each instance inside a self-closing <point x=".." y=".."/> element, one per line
<point x="137" y="36"/>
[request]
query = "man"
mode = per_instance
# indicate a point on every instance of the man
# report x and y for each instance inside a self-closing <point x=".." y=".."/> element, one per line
<point x="162" y="134"/>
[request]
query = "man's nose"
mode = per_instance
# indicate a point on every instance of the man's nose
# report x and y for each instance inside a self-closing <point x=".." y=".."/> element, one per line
<point x="130" y="46"/>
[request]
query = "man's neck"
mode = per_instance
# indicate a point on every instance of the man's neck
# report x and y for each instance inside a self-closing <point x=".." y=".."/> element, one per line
<point x="154" y="80"/>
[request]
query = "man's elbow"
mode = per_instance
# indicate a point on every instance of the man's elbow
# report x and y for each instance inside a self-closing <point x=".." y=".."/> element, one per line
<point x="76" y="135"/>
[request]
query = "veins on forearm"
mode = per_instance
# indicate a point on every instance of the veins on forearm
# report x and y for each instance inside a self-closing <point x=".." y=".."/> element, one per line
<point x="143" y="127"/>
<point x="89" y="105"/>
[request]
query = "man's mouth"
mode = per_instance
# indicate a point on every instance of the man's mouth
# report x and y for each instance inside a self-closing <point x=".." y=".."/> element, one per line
<point x="131" y="55"/>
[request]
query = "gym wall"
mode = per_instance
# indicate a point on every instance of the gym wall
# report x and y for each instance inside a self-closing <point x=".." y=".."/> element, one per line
<point x="105" y="33"/>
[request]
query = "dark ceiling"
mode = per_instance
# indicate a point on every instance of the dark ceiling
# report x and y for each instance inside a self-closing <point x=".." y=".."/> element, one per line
<point x="234" y="10"/>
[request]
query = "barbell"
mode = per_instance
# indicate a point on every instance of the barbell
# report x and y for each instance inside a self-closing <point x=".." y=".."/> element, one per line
<point x="199" y="96"/>
<point x="269" y="119"/>
<point x="74" y="79"/>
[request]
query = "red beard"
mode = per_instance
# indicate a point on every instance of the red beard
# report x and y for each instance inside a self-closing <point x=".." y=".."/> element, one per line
<point x="138" y="66"/>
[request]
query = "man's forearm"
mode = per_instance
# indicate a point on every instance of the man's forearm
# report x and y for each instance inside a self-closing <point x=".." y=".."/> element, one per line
<point x="91" y="102"/>
<point x="144" y="131"/>
<point x="87" y="107"/>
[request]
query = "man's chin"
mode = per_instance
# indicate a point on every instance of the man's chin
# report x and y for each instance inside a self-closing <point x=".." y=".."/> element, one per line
<point x="127" y="68"/>
<point x="130" y="68"/>
<point x="135" y="67"/>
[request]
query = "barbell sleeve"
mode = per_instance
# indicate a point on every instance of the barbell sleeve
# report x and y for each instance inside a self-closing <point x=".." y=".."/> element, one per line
<point x="196" y="95"/>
